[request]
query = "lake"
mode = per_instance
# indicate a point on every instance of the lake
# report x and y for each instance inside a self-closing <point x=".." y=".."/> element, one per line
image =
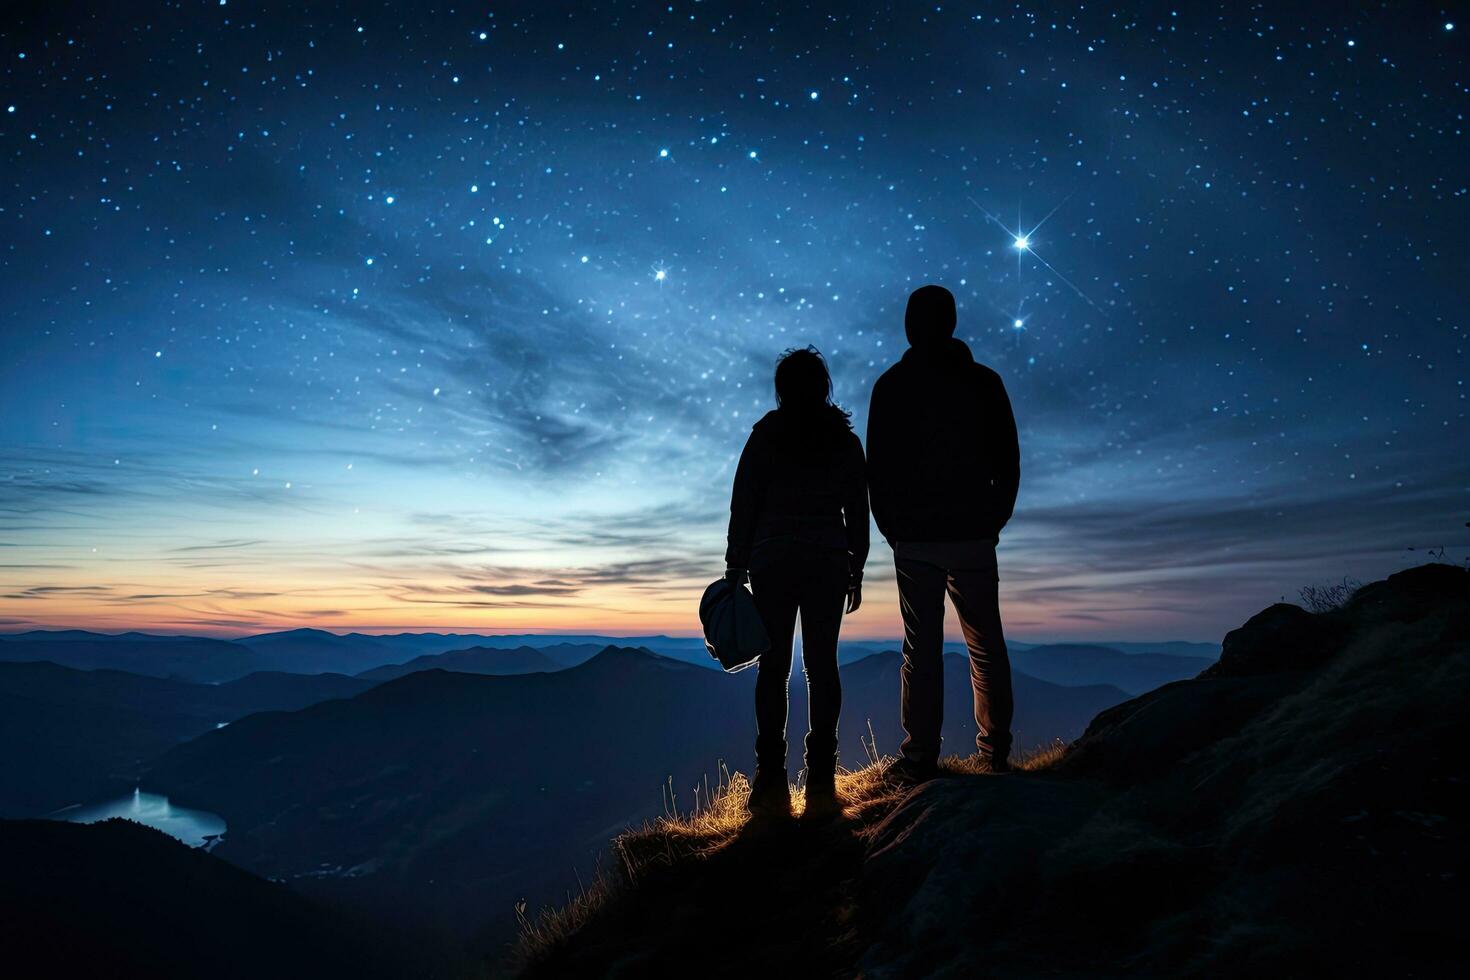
<point x="194" y="827"/>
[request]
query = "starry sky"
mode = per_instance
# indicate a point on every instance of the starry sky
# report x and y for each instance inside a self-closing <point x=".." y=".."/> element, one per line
<point x="385" y="316"/>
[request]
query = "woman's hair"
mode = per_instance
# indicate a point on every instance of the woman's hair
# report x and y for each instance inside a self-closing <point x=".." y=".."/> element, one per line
<point x="803" y="384"/>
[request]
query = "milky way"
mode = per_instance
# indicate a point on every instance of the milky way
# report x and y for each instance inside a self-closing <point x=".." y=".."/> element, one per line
<point x="393" y="315"/>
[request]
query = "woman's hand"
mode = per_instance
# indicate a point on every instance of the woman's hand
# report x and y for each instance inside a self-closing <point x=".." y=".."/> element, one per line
<point x="854" y="596"/>
<point x="736" y="575"/>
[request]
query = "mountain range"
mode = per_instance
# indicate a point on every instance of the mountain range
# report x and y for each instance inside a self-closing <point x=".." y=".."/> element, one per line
<point x="439" y="799"/>
<point x="308" y="651"/>
<point x="455" y="792"/>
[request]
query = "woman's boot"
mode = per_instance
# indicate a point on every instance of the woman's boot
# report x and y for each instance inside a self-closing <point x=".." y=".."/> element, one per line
<point x="822" y="801"/>
<point x="770" y="795"/>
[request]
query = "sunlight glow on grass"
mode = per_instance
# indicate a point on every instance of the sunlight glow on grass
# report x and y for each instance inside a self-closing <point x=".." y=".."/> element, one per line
<point x="714" y="821"/>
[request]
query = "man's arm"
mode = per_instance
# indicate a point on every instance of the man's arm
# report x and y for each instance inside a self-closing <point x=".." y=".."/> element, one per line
<point x="880" y="457"/>
<point x="1005" y="447"/>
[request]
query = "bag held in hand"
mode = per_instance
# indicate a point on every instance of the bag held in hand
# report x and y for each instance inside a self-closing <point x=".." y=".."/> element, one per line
<point x="733" y="631"/>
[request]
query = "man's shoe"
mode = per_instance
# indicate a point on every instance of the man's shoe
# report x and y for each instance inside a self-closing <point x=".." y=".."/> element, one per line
<point x="984" y="764"/>
<point x="906" y="772"/>
<point x="770" y="795"/>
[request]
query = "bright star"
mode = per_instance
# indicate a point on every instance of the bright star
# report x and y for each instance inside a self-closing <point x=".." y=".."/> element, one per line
<point x="1021" y="242"/>
<point x="660" y="275"/>
<point x="1019" y="323"/>
<point x="663" y="153"/>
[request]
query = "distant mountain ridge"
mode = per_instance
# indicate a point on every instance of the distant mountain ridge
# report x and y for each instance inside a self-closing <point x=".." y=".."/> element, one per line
<point x="184" y="658"/>
<point x="1076" y="664"/>
<point x="474" y="660"/>
<point x="310" y="650"/>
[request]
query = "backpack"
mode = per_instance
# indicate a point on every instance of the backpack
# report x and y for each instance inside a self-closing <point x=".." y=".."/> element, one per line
<point x="734" y="633"/>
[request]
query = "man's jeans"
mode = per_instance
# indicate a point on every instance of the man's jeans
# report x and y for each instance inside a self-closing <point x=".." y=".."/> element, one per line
<point x="812" y="581"/>
<point x="967" y="571"/>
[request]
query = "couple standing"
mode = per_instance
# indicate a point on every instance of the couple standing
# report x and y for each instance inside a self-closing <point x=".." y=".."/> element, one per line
<point x="942" y="470"/>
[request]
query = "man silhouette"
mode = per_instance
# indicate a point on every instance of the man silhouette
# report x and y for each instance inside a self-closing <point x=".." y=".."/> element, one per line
<point x="943" y="469"/>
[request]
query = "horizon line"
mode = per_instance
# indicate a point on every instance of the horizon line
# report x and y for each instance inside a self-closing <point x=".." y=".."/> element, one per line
<point x="528" y="631"/>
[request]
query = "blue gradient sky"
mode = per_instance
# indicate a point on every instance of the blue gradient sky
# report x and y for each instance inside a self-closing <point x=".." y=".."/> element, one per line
<point x="415" y="318"/>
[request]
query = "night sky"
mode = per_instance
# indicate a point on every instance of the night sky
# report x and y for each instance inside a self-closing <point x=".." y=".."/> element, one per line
<point x="399" y="316"/>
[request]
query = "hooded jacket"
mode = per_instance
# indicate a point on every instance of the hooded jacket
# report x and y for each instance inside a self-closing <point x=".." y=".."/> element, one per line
<point x="800" y="480"/>
<point x="944" y="463"/>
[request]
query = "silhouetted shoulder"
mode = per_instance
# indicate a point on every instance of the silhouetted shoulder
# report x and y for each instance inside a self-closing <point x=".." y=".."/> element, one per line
<point x="988" y="375"/>
<point x="889" y="377"/>
<point x="765" y="422"/>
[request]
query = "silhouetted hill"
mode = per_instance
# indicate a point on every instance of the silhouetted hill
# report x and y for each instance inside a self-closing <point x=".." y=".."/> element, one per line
<point x="571" y="654"/>
<point x="1176" y="648"/>
<point x="275" y="690"/>
<point x="186" y="658"/>
<point x="117" y="899"/>
<point x="1149" y="664"/>
<point x="851" y="651"/>
<point x="459" y="793"/>
<point x="689" y="649"/>
<point x="311" y="651"/>
<point x="68" y="736"/>
<point x="1076" y="664"/>
<point x="475" y="660"/>
<point x="1299" y="810"/>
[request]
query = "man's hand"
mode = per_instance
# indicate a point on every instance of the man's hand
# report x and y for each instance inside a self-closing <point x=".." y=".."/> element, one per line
<point x="736" y="575"/>
<point x="854" y="596"/>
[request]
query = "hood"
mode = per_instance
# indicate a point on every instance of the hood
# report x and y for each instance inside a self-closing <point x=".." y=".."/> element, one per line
<point x="947" y="354"/>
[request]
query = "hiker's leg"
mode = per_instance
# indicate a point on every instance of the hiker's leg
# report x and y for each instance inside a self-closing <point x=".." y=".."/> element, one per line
<point x="775" y="598"/>
<point x="823" y="595"/>
<point x="975" y="592"/>
<point x="921" y="601"/>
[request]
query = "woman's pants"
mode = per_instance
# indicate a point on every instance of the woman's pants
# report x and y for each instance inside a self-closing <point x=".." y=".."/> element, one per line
<point x="810" y="582"/>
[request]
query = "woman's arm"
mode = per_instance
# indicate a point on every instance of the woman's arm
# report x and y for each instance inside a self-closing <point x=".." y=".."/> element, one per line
<point x="745" y="501"/>
<point x="855" y="509"/>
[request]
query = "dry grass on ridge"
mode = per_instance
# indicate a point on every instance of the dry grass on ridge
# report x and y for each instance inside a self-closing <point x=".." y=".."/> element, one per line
<point x="717" y="818"/>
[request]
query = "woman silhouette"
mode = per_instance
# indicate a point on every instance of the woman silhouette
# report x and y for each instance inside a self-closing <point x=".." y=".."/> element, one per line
<point x="799" y="527"/>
